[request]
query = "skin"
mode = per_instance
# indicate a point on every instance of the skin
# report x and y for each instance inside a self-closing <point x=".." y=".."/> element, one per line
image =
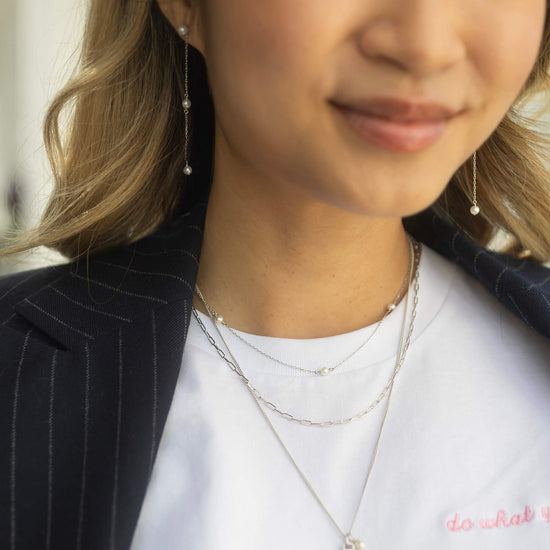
<point x="303" y="234"/>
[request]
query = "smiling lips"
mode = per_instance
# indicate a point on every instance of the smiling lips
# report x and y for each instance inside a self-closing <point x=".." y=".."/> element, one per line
<point x="397" y="125"/>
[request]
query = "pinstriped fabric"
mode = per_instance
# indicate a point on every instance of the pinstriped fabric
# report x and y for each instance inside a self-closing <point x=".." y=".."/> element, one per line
<point x="13" y="503"/>
<point x="26" y="376"/>
<point x="501" y="275"/>
<point x="117" y="445"/>
<point x="85" y="488"/>
<point x="149" y="273"/>
<point x="520" y="312"/>
<point x="544" y="283"/>
<point x="14" y="287"/>
<point x="172" y="251"/>
<point x="89" y="308"/>
<point x="13" y="315"/>
<point x="532" y="307"/>
<point x="99" y="292"/>
<point x="116" y="290"/>
<point x="84" y="447"/>
<point x="50" y="452"/>
<point x="60" y="321"/>
<point x="155" y="391"/>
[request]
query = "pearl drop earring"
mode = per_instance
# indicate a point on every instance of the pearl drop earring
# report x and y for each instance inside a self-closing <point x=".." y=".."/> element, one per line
<point x="183" y="30"/>
<point x="474" y="211"/>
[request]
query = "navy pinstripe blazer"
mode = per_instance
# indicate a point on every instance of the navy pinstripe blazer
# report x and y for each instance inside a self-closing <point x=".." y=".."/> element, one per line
<point x="89" y="358"/>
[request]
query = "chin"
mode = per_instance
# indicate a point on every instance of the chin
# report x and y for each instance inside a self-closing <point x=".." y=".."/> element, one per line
<point x="396" y="205"/>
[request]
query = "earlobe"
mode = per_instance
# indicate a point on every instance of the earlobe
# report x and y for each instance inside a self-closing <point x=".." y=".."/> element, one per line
<point x="174" y="10"/>
<point x="182" y="12"/>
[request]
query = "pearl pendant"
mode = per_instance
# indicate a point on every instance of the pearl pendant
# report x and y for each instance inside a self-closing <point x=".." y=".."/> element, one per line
<point x="351" y="543"/>
<point x="474" y="211"/>
<point x="187" y="170"/>
<point x="183" y="30"/>
<point x="324" y="371"/>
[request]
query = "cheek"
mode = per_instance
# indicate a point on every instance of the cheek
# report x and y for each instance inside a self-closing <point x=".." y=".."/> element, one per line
<point x="506" y="50"/>
<point x="263" y="56"/>
<point x="264" y="68"/>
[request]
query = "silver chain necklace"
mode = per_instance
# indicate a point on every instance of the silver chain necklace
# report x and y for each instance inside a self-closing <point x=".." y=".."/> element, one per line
<point x="233" y="365"/>
<point x="350" y="542"/>
<point x="324" y="370"/>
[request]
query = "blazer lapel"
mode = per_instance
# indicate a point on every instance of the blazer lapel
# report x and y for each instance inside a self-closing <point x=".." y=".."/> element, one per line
<point x="115" y="329"/>
<point x="522" y="286"/>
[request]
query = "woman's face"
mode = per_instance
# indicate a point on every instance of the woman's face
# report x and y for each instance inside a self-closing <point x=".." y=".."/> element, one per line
<point x="432" y="77"/>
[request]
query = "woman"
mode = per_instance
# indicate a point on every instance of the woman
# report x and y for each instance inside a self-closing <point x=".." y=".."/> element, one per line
<point x="289" y="144"/>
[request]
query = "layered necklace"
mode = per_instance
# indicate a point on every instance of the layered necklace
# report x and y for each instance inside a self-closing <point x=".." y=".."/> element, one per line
<point x="323" y="370"/>
<point x="350" y="542"/>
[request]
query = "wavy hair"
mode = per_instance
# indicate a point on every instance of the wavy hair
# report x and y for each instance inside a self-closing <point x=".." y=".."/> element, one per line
<point x="114" y="135"/>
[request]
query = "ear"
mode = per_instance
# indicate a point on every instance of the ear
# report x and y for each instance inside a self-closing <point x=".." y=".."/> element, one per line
<point x="184" y="12"/>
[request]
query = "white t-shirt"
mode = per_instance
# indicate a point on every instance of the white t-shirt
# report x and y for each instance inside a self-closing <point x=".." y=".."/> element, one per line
<point x="464" y="457"/>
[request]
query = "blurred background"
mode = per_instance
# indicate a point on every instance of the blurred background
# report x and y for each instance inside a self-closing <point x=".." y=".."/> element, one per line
<point x="39" y="42"/>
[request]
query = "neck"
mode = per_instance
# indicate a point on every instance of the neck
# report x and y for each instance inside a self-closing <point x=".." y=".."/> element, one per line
<point x="279" y="264"/>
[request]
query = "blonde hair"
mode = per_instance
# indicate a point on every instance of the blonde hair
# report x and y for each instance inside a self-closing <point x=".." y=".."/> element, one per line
<point x="118" y="172"/>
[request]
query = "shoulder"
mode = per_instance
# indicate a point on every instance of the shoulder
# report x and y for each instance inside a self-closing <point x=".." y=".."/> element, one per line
<point x="522" y="286"/>
<point x="71" y="304"/>
<point x="182" y="236"/>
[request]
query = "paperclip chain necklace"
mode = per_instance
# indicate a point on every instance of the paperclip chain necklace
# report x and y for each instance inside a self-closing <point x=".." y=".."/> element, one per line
<point x="415" y="258"/>
<point x="350" y="542"/>
<point x="324" y="370"/>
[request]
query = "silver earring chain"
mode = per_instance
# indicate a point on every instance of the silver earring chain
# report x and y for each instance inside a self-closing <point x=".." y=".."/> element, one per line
<point x="474" y="210"/>
<point x="183" y="31"/>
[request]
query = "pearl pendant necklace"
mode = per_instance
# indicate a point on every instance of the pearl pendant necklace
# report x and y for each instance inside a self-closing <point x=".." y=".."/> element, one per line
<point x="351" y="543"/>
<point x="324" y="370"/>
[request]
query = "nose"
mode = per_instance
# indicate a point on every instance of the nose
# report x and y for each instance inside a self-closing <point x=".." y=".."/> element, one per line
<point x="421" y="37"/>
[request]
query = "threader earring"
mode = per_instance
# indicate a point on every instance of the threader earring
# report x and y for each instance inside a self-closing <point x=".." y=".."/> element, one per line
<point x="183" y="31"/>
<point x="474" y="211"/>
